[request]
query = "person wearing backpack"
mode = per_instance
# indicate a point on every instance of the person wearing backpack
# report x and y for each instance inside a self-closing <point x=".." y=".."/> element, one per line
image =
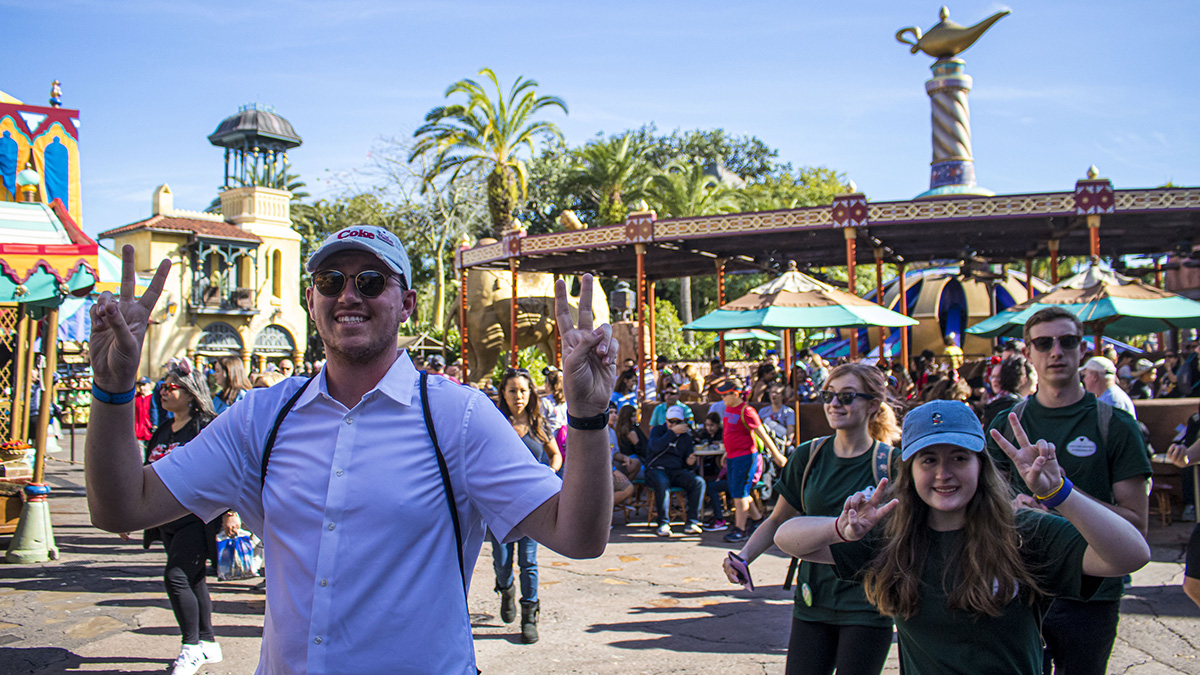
<point x="833" y="625"/>
<point x="1101" y="450"/>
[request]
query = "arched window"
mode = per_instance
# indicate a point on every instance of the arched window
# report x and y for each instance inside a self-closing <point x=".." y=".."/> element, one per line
<point x="219" y="339"/>
<point x="274" y="341"/>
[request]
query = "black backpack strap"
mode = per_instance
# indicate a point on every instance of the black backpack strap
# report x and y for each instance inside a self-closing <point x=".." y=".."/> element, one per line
<point x="441" y="459"/>
<point x="270" y="444"/>
<point x="813" y="448"/>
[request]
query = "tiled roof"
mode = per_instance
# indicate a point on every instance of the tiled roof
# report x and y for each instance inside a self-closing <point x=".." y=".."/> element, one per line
<point x="201" y="228"/>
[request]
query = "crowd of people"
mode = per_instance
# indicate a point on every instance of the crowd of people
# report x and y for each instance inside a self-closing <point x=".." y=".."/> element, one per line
<point x="987" y="518"/>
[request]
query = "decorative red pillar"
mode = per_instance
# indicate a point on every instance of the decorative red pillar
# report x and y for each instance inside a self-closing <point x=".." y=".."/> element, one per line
<point x="1053" y="246"/>
<point x="879" y="295"/>
<point x="904" y="311"/>
<point x="1094" y="197"/>
<point x="512" y="316"/>
<point x="849" y="211"/>
<point x="641" y="323"/>
<point x="1028" y="277"/>
<point x="851" y="253"/>
<point x="653" y="328"/>
<point x="720" y="302"/>
<point x="462" y="320"/>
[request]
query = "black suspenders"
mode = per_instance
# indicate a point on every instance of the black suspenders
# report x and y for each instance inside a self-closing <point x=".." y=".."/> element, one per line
<point x="441" y="460"/>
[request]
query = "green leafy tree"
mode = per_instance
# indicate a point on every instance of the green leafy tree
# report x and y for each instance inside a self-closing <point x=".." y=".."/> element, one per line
<point x="748" y="157"/>
<point x="609" y="174"/>
<point x="809" y="186"/>
<point x="487" y="133"/>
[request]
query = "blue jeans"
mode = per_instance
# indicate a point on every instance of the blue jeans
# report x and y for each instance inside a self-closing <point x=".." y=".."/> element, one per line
<point x="661" y="480"/>
<point x="502" y="559"/>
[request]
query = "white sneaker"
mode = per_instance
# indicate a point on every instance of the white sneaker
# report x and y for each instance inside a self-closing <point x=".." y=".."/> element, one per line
<point x="190" y="658"/>
<point x="212" y="652"/>
<point x="664" y="530"/>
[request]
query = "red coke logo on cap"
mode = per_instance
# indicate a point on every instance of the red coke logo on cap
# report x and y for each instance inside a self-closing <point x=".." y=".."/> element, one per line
<point x="356" y="233"/>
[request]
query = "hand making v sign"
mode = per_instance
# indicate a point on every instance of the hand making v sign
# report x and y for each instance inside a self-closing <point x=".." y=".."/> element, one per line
<point x="119" y="325"/>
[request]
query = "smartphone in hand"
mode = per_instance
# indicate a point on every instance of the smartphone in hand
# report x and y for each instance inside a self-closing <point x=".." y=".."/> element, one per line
<point x="742" y="568"/>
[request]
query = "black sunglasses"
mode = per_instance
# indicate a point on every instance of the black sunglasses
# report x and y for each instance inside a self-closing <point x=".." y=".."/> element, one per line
<point x="1045" y="344"/>
<point x="511" y="372"/>
<point x="846" y="398"/>
<point x="330" y="283"/>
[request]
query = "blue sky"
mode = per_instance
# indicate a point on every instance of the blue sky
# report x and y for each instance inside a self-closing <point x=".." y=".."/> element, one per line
<point x="1059" y="85"/>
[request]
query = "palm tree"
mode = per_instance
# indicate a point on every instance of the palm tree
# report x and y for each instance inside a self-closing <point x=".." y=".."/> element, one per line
<point x="609" y="173"/>
<point x="687" y="190"/>
<point x="487" y="133"/>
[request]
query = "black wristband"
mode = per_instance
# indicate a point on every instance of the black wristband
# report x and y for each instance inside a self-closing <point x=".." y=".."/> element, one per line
<point x="588" y="423"/>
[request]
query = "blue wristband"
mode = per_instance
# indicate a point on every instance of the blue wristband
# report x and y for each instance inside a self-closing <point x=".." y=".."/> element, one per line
<point x="111" y="398"/>
<point x="1059" y="495"/>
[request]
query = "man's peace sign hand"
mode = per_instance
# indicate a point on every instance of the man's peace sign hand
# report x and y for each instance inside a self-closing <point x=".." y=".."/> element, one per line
<point x="119" y="325"/>
<point x="589" y="354"/>
<point x="1036" y="462"/>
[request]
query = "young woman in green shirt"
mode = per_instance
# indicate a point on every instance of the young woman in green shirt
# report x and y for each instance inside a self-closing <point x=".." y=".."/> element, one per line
<point x="833" y="625"/>
<point x="943" y="552"/>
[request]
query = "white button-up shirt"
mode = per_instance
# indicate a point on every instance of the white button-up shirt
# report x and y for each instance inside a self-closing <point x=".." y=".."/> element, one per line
<point x="357" y="531"/>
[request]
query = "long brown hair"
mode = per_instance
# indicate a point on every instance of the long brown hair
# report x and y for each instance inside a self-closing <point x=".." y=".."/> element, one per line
<point x="537" y="423"/>
<point x="625" y="422"/>
<point x="882" y="423"/>
<point x="236" y="381"/>
<point x="990" y="571"/>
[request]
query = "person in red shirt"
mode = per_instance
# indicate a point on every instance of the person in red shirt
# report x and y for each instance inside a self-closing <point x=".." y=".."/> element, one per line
<point x="740" y="426"/>
<point x="145" y="413"/>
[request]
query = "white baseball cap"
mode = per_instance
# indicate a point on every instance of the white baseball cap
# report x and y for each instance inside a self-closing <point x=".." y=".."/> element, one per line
<point x="375" y="240"/>
<point x="1101" y="364"/>
<point x="676" y="412"/>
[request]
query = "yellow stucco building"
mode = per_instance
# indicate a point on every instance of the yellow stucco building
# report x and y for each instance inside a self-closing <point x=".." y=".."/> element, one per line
<point x="234" y="286"/>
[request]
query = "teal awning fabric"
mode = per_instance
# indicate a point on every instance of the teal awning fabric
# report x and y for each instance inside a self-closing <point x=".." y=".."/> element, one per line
<point x="751" y="334"/>
<point x="796" y="300"/>
<point x="1104" y="301"/>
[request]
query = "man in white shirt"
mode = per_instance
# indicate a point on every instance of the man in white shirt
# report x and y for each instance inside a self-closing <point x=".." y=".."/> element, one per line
<point x="366" y="572"/>
<point x="1100" y="377"/>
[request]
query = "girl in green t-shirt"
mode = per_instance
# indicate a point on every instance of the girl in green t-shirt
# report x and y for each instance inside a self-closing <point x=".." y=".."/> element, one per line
<point x="833" y="625"/>
<point x="962" y="574"/>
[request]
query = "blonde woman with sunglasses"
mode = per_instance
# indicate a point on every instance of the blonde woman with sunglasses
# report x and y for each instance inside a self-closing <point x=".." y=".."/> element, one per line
<point x="833" y="625"/>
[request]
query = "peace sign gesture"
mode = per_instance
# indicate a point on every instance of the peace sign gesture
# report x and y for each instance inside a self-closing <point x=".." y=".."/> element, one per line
<point x="862" y="511"/>
<point x="589" y="353"/>
<point x="1036" y="462"/>
<point x="119" y="325"/>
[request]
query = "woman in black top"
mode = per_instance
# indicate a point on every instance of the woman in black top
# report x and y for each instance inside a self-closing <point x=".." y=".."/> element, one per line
<point x="190" y="542"/>
<point x="631" y="440"/>
<point x="519" y="403"/>
<point x="1017" y="380"/>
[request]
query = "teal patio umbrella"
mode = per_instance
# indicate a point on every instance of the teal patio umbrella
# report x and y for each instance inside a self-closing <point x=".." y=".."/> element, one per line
<point x="796" y="300"/>
<point x="1106" y="302"/>
<point x="751" y="334"/>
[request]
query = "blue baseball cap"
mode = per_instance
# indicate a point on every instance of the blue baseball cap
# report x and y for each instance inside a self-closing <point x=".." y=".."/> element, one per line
<point x="950" y="422"/>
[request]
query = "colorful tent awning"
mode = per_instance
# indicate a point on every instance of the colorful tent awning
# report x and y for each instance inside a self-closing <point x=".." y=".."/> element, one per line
<point x="796" y="300"/>
<point x="44" y="256"/>
<point x="1105" y="302"/>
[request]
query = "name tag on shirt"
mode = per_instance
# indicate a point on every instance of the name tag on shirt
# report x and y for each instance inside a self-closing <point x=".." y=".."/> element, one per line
<point x="1082" y="447"/>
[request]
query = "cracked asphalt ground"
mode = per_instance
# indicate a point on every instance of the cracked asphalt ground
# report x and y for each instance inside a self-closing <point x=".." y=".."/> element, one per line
<point x="648" y="605"/>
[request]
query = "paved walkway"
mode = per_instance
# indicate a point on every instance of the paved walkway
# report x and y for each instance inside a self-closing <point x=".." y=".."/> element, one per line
<point x="647" y="606"/>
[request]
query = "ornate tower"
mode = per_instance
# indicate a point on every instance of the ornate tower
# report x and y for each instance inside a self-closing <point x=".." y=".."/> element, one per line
<point x="953" y="167"/>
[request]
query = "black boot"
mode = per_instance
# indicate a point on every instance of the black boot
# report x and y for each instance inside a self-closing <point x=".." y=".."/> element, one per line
<point x="529" y="619"/>
<point x="508" y="603"/>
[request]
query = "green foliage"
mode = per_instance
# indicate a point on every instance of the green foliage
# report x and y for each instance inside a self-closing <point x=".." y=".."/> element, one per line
<point x="529" y="358"/>
<point x="610" y="174"/>
<point x="487" y="132"/>
<point x="668" y="335"/>
<point x="808" y="186"/>
<point x="747" y="156"/>
<point x="686" y="190"/>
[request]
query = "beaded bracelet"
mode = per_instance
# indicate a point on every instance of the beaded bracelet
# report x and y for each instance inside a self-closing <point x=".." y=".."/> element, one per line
<point x="111" y="398"/>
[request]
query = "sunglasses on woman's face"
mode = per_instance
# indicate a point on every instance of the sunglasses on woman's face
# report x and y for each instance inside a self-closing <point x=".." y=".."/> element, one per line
<point x="846" y="398"/>
<point x="330" y="283"/>
<point x="169" y="387"/>
<point x="1045" y="344"/>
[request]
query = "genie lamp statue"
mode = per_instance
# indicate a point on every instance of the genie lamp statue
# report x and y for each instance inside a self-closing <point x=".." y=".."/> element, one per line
<point x="947" y="38"/>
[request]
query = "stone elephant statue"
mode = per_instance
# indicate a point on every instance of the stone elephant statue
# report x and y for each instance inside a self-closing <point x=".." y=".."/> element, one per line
<point x="489" y="301"/>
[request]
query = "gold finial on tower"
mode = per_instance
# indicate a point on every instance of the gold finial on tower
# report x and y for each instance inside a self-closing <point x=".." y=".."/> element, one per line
<point x="1093" y="173"/>
<point x="947" y="38"/>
